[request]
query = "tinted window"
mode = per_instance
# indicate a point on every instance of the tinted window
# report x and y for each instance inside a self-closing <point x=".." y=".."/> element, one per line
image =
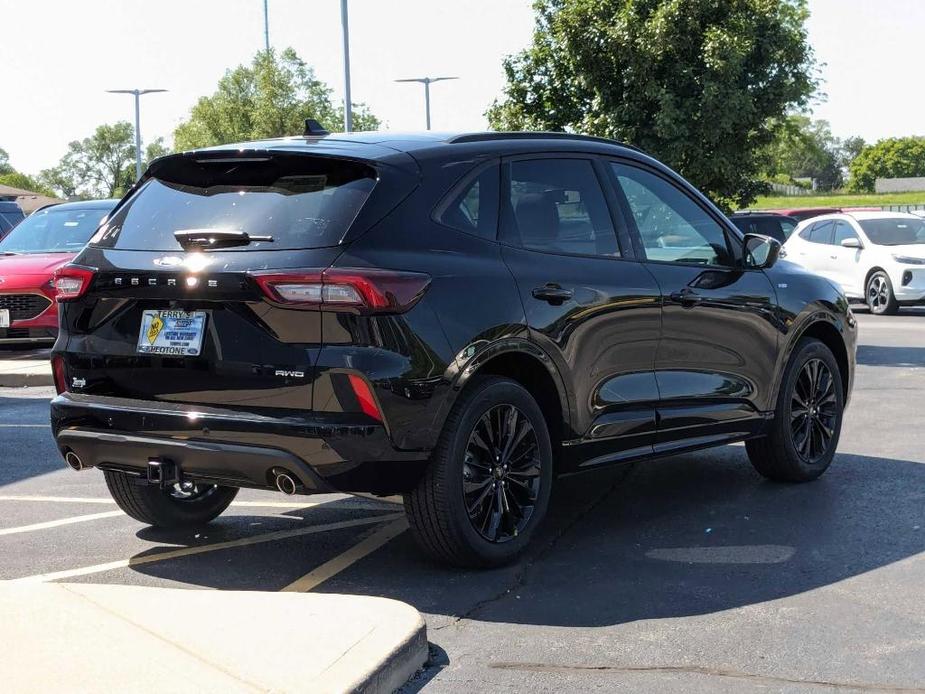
<point x="54" y="230"/>
<point x="673" y="227"/>
<point x="557" y="205"/>
<point x="820" y="232"/>
<point x="843" y="231"/>
<point x="300" y="201"/>
<point x="787" y="226"/>
<point x="895" y="231"/>
<point x="474" y="209"/>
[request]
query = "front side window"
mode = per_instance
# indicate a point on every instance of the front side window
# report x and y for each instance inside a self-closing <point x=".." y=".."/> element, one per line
<point x="474" y="209"/>
<point x="299" y="201"/>
<point x="894" y="231"/>
<point x="557" y="206"/>
<point x="843" y="231"/>
<point x="673" y="227"/>
<point x="54" y="230"/>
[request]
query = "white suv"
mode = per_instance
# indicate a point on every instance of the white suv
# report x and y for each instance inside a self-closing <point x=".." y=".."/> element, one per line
<point x="877" y="257"/>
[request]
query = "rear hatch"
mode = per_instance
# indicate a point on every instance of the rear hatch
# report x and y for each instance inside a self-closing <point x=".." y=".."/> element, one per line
<point x="174" y="310"/>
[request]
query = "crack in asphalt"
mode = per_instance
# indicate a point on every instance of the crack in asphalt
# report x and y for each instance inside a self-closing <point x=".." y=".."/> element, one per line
<point x="700" y="670"/>
<point x="520" y="578"/>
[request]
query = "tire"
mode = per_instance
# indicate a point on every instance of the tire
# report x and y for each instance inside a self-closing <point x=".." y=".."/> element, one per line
<point x="165" y="508"/>
<point x="879" y="295"/>
<point x="438" y="509"/>
<point x="786" y="454"/>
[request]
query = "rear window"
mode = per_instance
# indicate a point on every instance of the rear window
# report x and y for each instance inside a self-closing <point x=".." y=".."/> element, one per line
<point x="299" y="201"/>
<point x="54" y="230"/>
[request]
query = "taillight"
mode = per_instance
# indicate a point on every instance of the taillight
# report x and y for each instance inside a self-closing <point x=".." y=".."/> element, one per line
<point x="364" y="289"/>
<point x="72" y="282"/>
<point x="59" y="374"/>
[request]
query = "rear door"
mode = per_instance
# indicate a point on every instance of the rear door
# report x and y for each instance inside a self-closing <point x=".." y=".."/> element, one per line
<point x="589" y="305"/>
<point x="714" y="364"/>
<point x="188" y="322"/>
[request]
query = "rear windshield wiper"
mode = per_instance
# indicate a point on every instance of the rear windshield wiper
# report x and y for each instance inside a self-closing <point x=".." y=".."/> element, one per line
<point x="207" y="239"/>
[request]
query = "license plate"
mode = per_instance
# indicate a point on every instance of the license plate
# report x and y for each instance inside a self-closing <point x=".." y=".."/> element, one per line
<point x="4" y="318"/>
<point x="172" y="333"/>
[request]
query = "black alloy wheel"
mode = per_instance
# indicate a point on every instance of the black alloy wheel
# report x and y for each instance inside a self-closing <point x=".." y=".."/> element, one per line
<point x="813" y="411"/>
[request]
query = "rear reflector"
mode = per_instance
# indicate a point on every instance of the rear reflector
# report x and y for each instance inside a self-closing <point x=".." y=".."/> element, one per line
<point x="365" y="397"/>
<point x="367" y="290"/>
<point x="57" y="370"/>
<point x="72" y="282"/>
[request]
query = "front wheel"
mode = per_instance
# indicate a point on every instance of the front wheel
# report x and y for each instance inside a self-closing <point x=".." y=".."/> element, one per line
<point x="181" y="506"/>
<point x="807" y="422"/>
<point x="487" y="487"/>
<point x="880" y="297"/>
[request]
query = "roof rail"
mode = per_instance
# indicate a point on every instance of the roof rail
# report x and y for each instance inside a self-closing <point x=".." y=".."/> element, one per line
<point x="535" y="135"/>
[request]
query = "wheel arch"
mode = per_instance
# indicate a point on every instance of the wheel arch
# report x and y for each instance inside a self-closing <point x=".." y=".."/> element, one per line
<point x="870" y="273"/>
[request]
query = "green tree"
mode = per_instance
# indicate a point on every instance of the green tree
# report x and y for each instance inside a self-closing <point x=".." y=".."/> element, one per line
<point x="697" y="83"/>
<point x="15" y="179"/>
<point x="271" y="97"/>
<point x="5" y="167"/>
<point x="896" y="157"/>
<point x="805" y="148"/>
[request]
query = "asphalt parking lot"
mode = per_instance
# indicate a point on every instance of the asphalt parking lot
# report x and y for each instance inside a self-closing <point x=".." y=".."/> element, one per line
<point x="688" y="574"/>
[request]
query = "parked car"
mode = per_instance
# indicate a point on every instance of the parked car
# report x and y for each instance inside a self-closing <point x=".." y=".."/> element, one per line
<point x="875" y="257"/>
<point x="777" y="226"/>
<point x="10" y="216"/>
<point x="29" y="256"/>
<point x="802" y="214"/>
<point x="457" y="319"/>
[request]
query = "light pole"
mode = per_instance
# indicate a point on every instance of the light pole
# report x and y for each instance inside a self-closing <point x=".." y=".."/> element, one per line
<point x="348" y="106"/>
<point x="427" y="81"/>
<point x="137" y="93"/>
<point x="266" y="25"/>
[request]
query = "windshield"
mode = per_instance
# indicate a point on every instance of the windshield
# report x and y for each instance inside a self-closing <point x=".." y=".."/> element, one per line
<point x="894" y="231"/>
<point x="296" y="200"/>
<point x="54" y="230"/>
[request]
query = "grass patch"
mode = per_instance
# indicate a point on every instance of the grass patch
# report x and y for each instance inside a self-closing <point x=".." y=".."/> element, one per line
<point x="838" y="200"/>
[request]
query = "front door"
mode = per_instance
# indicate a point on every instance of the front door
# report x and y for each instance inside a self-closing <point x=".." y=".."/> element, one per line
<point x="593" y="310"/>
<point x="714" y="364"/>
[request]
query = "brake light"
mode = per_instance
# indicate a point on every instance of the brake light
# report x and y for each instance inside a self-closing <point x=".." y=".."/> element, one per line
<point x="365" y="289"/>
<point x="59" y="374"/>
<point x="365" y="397"/>
<point x="72" y="282"/>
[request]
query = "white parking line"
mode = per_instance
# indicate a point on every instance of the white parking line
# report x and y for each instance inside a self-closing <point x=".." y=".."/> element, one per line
<point x="334" y="566"/>
<point x="25" y="426"/>
<point x="106" y="500"/>
<point x="60" y="521"/>
<point x="202" y="549"/>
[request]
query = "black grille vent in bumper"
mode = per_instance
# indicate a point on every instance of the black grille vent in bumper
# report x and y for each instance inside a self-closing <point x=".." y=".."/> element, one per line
<point x="23" y="306"/>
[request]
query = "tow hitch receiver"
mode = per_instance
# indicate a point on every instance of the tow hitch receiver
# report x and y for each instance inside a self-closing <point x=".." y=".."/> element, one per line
<point x="163" y="473"/>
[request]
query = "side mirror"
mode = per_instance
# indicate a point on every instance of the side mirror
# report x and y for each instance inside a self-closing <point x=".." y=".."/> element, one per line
<point x="761" y="252"/>
<point x="853" y="242"/>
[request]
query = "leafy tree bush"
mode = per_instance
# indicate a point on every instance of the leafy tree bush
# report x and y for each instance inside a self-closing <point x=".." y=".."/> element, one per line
<point x="15" y="179"/>
<point x="697" y="83"/>
<point x="896" y="157"/>
<point x="271" y="97"/>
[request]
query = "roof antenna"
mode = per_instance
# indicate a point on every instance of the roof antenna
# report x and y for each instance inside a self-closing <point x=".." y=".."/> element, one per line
<point x="314" y="129"/>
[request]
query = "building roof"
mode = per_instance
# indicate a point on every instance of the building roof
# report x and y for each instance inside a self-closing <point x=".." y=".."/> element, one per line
<point x="27" y="200"/>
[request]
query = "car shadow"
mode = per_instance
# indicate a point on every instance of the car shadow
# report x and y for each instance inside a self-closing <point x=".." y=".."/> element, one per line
<point x="690" y="535"/>
<point x="880" y="355"/>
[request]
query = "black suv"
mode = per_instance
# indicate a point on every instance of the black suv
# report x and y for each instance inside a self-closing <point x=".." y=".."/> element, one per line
<point x="458" y="319"/>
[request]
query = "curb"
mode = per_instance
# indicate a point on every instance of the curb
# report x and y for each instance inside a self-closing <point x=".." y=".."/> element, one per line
<point x="25" y="379"/>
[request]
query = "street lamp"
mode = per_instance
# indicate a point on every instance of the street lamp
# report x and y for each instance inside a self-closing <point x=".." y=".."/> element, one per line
<point x="137" y="93"/>
<point x="345" y="32"/>
<point x="427" y="81"/>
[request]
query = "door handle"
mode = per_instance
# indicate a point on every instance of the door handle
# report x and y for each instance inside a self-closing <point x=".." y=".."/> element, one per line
<point x="834" y="257"/>
<point x="553" y="294"/>
<point x="687" y="297"/>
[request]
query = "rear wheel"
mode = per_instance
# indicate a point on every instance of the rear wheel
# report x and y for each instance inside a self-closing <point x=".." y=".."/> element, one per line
<point x="880" y="297"/>
<point x="807" y="422"/>
<point x="487" y="487"/>
<point x="183" y="505"/>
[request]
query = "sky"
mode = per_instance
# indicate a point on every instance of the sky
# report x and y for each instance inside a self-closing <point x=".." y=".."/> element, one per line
<point x="58" y="58"/>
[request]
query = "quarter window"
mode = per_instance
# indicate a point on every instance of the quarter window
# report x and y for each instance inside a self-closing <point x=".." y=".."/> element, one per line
<point x="672" y="226"/>
<point x="557" y="206"/>
<point x="474" y="209"/>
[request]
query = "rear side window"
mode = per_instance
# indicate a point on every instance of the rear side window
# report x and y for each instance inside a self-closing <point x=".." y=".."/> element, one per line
<point x="557" y="206"/>
<point x="474" y="207"/>
<point x="300" y="201"/>
<point x="820" y="232"/>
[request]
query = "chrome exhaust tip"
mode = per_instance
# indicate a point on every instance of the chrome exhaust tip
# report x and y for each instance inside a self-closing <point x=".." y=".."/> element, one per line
<point x="285" y="484"/>
<point x="73" y="461"/>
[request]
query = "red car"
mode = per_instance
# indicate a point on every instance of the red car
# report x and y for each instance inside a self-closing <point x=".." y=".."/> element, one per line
<point x="29" y="256"/>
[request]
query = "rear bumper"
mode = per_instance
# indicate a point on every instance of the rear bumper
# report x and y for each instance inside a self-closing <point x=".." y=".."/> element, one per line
<point x="322" y="452"/>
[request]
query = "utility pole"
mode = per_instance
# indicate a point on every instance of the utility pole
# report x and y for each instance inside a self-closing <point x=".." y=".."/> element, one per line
<point x="348" y="105"/>
<point x="137" y="93"/>
<point x="427" y="81"/>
